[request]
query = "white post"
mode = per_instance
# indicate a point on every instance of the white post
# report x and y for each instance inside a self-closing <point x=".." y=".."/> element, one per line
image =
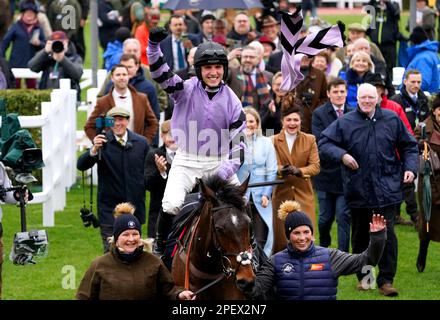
<point x="47" y="137"/>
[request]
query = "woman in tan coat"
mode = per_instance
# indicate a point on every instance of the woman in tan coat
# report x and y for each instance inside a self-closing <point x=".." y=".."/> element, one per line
<point x="298" y="161"/>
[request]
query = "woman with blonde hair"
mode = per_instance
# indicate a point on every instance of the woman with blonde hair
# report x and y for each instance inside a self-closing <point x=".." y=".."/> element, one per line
<point x="360" y="66"/>
<point x="127" y="271"/>
<point x="261" y="164"/>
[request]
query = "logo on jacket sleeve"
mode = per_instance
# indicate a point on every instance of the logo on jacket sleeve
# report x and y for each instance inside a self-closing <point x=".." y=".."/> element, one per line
<point x="287" y="268"/>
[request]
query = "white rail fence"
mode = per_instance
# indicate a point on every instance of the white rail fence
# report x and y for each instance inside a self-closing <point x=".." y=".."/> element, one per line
<point x="58" y="133"/>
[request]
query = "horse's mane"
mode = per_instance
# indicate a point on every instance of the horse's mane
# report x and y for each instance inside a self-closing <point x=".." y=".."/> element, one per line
<point x="225" y="191"/>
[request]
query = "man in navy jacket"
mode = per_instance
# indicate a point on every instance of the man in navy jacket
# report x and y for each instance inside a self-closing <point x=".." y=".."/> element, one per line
<point x="328" y="184"/>
<point x="366" y="141"/>
<point x="120" y="155"/>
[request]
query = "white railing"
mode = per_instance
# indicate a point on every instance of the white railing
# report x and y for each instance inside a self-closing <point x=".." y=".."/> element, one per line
<point x="350" y="3"/>
<point x="58" y="133"/>
<point x="86" y="78"/>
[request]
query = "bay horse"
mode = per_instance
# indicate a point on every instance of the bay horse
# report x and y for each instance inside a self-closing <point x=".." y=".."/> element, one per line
<point x="216" y="253"/>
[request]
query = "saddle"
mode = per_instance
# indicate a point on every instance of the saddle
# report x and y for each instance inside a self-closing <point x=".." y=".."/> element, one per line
<point x="180" y="226"/>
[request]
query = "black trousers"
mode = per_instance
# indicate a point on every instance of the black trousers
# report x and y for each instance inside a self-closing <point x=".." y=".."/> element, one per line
<point x="360" y="238"/>
<point x="153" y="212"/>
<point x="389" y="52"/>
<point x="259" y="227"/>
<point x="106" y="232"/>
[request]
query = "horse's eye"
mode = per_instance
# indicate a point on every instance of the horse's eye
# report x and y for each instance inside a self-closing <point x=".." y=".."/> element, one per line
<point x="219" y="229"/>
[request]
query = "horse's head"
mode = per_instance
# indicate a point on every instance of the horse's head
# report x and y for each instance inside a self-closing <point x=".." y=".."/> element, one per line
<point x="230" y="226"/>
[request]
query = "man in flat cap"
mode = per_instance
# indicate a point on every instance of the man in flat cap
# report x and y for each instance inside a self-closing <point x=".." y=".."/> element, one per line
<point x="120" y="154"/>
<point x="356" y="31"/>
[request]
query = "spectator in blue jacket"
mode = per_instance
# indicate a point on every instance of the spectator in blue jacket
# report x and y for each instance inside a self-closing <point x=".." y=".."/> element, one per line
<point x="304" y="271"/>
<point x="378" y="155"/>
<point x="114" y="51"/>
<point x="26" y="37"/>
<point x="422" y="56"/>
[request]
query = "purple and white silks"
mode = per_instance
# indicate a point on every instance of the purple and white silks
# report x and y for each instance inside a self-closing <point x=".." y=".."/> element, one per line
<point x="295" y="48"/>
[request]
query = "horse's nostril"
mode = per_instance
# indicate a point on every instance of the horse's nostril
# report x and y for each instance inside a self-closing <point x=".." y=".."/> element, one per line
<point x="244" y="284"/>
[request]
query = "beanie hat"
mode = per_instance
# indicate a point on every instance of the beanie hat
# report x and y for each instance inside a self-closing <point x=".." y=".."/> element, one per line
<point x="125" y="220"/>
<point x="293" y="218"/>
<point x="122" y="34"/>
<point x="29" y="5"/>
<point x="207" y="16"/>
<point x="418" y="35"/>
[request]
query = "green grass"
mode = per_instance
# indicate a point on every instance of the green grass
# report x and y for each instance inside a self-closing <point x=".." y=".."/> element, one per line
<point x="75" y="246"/>
<point x="71" y="245"/>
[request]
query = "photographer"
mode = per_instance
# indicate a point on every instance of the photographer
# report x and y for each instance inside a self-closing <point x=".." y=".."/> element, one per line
<point x="120" y="155"/>
<point x="58" y="60"/>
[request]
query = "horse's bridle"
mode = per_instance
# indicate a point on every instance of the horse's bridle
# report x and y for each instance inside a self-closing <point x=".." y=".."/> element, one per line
<point x="243" y="258"/>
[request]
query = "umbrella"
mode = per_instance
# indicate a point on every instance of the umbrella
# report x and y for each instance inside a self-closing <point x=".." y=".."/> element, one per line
<point x="212" y="4"/>
<point x="427" y="195"/>
<point x="427" y="172"/>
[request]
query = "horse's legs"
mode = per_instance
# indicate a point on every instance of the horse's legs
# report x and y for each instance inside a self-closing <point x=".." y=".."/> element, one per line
<point x="423" y="251"/>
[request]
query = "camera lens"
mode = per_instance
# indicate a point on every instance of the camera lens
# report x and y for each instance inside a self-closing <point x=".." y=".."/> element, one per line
<point x="57" y="46"/>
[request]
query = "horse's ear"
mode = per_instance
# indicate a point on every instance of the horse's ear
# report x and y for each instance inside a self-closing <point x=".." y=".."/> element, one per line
<point x="207" y="192"/>
<point x="244" y="186"/>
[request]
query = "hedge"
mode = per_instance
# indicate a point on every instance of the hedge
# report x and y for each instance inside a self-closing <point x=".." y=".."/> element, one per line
<point x="27" y="102"/>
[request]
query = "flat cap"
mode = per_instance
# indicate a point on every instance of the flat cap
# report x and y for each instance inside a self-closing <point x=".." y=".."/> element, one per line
<point x="118" y="111"/>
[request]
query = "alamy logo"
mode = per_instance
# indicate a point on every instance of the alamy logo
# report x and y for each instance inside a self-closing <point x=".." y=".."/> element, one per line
<point x="68" y="281"/>
<point x="369" y="20"/>
<point x="68" y="17"/>
<point x="369" y="280"/>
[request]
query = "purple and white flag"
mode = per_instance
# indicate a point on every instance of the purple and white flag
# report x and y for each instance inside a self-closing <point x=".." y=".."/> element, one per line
<point x="294" y="49"/>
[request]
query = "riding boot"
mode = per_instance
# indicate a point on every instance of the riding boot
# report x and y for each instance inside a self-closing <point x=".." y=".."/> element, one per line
<point x="163" y="226"/>
<point x="421" y="258"/>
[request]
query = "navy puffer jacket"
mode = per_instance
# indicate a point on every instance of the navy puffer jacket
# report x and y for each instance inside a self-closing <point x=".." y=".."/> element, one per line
<point x="305" y="275"/>
<point x="382" y="147"/>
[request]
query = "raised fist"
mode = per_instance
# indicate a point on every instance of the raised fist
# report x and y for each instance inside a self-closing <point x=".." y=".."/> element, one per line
<point x="158" y="34"/>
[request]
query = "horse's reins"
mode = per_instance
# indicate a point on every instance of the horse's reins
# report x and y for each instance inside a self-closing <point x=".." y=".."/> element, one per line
<point x="243" y="258"/>
<point x="187" y="263"/>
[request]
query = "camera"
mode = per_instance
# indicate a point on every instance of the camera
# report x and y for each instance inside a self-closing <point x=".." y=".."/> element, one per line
<point x="19" y="152"/>
<point x="306" y="98"/>
<point x="57" y="46"/>
<point x="88" y="218"/>
<point x="28" y="245"/>
<point x="104" y="122"/>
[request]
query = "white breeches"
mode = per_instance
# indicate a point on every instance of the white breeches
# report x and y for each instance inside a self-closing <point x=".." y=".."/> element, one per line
<point x="185" y="169"/>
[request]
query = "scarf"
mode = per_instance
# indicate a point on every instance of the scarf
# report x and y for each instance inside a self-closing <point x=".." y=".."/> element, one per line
<point x="29" y="24"/>
<point x="261" y="89"/>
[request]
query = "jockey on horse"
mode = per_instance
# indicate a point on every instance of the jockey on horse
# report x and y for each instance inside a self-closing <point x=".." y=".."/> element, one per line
<point x="208" y="125"/>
